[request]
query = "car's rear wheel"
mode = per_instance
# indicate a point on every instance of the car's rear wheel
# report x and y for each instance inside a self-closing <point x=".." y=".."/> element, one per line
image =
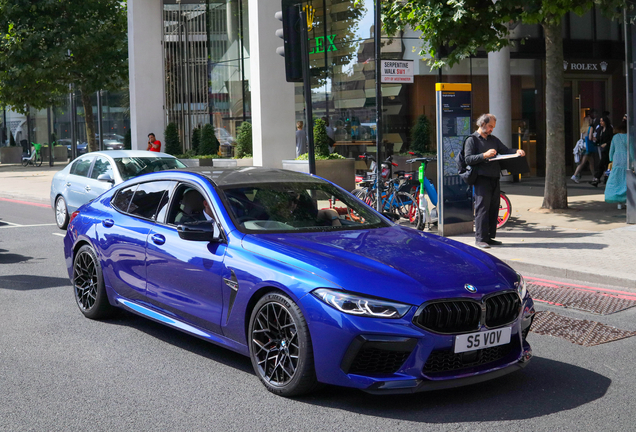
<point x="88" y="285"/>
<point x="61" y="213"/>
<point x="280" y="346"/>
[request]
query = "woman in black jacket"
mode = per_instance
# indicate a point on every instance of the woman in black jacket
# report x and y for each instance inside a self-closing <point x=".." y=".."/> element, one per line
<point x="603" y="139"/>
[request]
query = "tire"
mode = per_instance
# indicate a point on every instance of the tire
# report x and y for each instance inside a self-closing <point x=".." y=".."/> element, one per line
<point x="25" y="162"/>
<point x="61" y="213"/>
<point x="37" y="160"/>
<point x="407" y="207"/>
<point x="280" y="346"/>
<point x="505" y="210"/>
<point x="88" y="285"/>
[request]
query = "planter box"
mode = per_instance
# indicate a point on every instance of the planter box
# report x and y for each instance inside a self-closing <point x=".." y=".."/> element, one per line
<point x="339" y="171"/>
<point x="245" y="162"/>
<point x="224" y="163"/>
<point x="60" y="153"/>
<point x="10" y="155"/>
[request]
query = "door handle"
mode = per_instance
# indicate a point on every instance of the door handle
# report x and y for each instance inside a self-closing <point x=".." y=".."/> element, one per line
<point x="158" y="239"/>
<point x="108" y="223"/>
<point x="68" y="184"/>
<point x="88" y="188"/>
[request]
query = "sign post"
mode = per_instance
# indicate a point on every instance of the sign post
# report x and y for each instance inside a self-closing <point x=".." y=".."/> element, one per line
<point x="455" y="197"/>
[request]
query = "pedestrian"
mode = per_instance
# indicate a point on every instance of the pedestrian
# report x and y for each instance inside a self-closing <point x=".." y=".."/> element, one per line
<point x="301" y="139"/>
<point x="590" y="155"/>
<point x="154" y="145"/>
<point x="616" y="189"/>
<point x="603" y="139"/>
<point x="481" y="147"/>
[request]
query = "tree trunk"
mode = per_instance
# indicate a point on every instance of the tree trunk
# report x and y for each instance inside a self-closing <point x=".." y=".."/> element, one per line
<point x="555" y="194"/>
<point x="90" y="122"/>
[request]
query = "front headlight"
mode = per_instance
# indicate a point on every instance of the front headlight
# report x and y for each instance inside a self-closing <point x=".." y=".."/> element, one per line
<point x="362" y="306"/>
<point x="520" y="285"/>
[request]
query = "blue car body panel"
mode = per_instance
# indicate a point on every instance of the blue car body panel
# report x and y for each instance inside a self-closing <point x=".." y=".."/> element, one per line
<point x="148" y="269"/>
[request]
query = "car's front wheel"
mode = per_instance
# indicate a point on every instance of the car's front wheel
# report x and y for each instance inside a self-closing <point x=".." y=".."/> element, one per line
<point x="280" y="346"/>
<point x="61" y="213"/>
<point x="88" y="285"/>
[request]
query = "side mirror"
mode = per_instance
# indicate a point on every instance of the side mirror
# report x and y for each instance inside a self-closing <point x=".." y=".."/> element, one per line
<point x="106" y="178"/>
<point x="200" y="231"/>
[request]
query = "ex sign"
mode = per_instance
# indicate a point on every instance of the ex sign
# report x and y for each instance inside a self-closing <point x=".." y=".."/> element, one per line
<point x="397" y="71"/>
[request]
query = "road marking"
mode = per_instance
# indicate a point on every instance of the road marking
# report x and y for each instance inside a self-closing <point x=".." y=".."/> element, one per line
<point x="25" y="202"/>
<point x="14" y="225"/>
<point x="58" y="234"/>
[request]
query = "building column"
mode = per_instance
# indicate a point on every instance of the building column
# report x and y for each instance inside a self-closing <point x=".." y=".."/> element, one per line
<point x="499" y="93"/>
<point x="145" y="54"/>
<point x="273" y="107"/>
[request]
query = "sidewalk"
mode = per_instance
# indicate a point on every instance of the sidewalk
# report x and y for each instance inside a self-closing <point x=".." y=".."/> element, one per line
<point x="589" y="241"/>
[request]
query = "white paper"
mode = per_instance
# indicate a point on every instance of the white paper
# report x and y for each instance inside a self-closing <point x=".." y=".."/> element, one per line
<point x="502" y="157"/>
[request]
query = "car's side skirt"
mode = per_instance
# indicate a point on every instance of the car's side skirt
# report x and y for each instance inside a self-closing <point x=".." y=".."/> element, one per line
<point x="180" y="325"/>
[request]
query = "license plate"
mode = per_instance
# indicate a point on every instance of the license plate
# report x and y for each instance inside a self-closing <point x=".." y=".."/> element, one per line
<point x="481" y="340"/>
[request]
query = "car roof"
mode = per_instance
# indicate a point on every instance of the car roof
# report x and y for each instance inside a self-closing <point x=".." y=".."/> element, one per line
<point x="128" y="153"/>
<point x="251" y="176"/>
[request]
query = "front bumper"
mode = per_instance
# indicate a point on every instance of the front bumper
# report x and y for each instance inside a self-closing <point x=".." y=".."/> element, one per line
<point x="362" y="352"/>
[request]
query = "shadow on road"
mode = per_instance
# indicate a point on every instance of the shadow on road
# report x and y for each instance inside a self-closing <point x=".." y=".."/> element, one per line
<point x="545" y="387"/>
<point x="30" y="282"/>
<point x="183" y="340"/>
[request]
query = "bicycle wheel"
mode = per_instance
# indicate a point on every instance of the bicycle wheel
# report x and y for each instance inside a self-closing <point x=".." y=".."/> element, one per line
<point x="37" y="160"/>
<point x="407" y="207"/>
<point x="25" y="161"/>
<point x="505" y="210"/>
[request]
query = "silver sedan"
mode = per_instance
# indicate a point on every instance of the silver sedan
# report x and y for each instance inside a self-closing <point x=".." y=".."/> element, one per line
<point x="92" y="174"/>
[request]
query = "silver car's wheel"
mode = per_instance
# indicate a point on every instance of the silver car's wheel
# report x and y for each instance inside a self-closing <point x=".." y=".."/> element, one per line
<point x="61" y="214"/>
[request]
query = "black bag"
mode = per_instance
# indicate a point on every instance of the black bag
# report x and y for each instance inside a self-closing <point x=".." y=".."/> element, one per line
<point x="466" y="172"/>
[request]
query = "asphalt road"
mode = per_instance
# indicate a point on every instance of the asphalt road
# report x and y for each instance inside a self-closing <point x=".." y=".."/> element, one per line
<point x="61" y="371"/>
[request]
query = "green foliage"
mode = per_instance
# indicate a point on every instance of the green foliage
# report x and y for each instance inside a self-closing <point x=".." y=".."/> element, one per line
<point x="209" y="143"/>
<point x="128" y="140"/>
<point x="11" y="139"/>
<point x="196" y="139"/>
<point x="421" y="135"/>
<point x="53" y="139"/>
<point x="35" y="66"/>
<point x="173" y="146"/>
<point x="332" y="156"/>
<point x="455" y="29"/>
<point x="321" y="141"/>
<point x="244" y="141"/>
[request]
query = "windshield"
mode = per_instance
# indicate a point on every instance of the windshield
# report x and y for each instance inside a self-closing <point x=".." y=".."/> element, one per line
<point x="297" y="207"/>
<point x="130" y="167"/>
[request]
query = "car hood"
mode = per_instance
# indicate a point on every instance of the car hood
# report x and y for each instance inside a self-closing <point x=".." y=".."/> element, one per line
<point x="395" y="262"/>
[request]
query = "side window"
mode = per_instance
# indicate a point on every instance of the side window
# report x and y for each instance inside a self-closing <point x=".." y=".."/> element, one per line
<point x="122" y="199"/>
<point x="187" y="206"/>
<point x="148" y="198"/>
<point x="81" y="166"/>
<point x="101" y="166"/>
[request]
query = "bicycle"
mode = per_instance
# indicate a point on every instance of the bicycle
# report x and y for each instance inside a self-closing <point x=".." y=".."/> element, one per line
<point x="426" y="192"/>
<point x="395" y="200"/>
<point x="35" y="158"/>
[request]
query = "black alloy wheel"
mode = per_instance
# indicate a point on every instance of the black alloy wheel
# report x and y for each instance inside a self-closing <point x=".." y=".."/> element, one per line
<point x="280" y="346"/>
<point x="88" y="285"/>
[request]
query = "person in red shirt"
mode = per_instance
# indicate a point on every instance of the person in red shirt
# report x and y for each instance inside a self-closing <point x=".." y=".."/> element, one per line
<point x="153" y="144"/>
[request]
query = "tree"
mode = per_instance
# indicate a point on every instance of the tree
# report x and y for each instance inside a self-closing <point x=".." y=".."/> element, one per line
<point x="244" y="140"/>
<point x="196" y="139"/>
<point x="321" y="141"/>
<point x="173" y="146"/>
<point x="50" y="44"/>
<point x="421" y="135"/>
<point x="454" y="30"/>
<point x="209" y="143"/>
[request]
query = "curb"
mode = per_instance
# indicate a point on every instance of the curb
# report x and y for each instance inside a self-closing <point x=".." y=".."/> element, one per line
<point x="537" y="269"/>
